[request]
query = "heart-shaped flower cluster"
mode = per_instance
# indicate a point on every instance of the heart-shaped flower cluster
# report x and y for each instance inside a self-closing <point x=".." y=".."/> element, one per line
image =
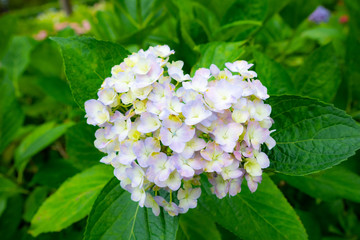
<point x="161" y="129"/>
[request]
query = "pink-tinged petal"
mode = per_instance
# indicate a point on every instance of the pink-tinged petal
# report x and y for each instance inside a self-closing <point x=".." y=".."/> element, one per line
<point x="177" y="147"/>
<point x="185" y="133"/>
<point x="166" y="136"/>
<point x="148" y="123"/>
<point x="186" y="171"/>
<point x="235" y="186"/>
<point x="214" y="70"/>
<point x="164" y="174"/>
<point x="136" y="175"/>
<point x="196" y="163"/>
<point x="263" y="160"/>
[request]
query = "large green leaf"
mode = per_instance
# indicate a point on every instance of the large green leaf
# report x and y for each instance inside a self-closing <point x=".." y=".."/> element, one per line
<point x="337" y="182"/>
<point x="11" y="115"/>
<point x="219" y="53"/>
<point x="273" y="75"/>
<point x="33" y="202"/>
<point x="36" y="141"/>
<point x="310" y="135"/>
<point x="198" y="225"/>
<point x="115" y="216"/>
<point x="87" y="63"/>
<point x="319" y="76"/>
<point x="71" y="202"/>
<point x="80" y="146"/>
<point x="264" y="214"/>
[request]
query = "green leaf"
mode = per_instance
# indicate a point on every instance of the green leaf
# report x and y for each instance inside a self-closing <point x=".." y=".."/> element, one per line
<point x="219" y="53"/>
<point x="8" y="188"/>
<point x="264" y="214"/>
<point x="33" y="202"/>
<point x="46" y="59"/>
<point x="57" y="89"/>
<point x="11" y="217"/>
<point x="6" y="32"/>
<point x="3" y="202"/>
<point x="298" y="10"/>
<point x="36" y="141"/>
<point x="319" y="76"/>
<point x="87" y="63"/>
<point x="11" y="115"/>
<point x="115" y="216"/>
<point x="273" y="75"/>
<point x="17" y="58"/>
<point x="331" y="184"/>
<point x="310" y="135"/>
<point x="80" y="146"/>
<point x="71" y="202"/>
<point x="53" y="173"/>
<point x="256" y="12"/>
<point x="195" y="224"/>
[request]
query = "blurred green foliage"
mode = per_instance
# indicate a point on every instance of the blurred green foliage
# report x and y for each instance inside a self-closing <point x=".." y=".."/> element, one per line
<point x="45" y="145"/>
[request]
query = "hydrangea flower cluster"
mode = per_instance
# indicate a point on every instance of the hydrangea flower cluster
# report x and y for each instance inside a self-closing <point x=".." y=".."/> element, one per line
<point x="161" y="129"/>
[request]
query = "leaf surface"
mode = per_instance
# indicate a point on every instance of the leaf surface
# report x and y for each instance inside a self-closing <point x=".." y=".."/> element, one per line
<point x="115" y="216"/>
<point x="87" y="63"/>
<point x="71" y="202"/>
<point x="265" y="214"/>
<point x="311" y="135"/>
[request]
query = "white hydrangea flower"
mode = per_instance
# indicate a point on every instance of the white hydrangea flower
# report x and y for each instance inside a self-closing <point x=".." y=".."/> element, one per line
<point x="161" y="129"/>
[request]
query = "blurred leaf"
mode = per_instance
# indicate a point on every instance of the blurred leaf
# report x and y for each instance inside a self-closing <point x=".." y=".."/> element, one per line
<point x="264" y="214"/>
<point x="11" y="115"/>
<point x="87" y="63"/>
<point x="197" y="225"/>
<point x="256" y="12"/>
<point x="37" y="140"/>
<point x="6" y="32"/>
<point x="3" y="202"/>
<point x="53" y="173"/>
<point x="219" y="53"/>
<point x="319" y="71"/>
<point x="17" y="57"/>
<point x="310" y="223"/>
<point x="134" y="19"/>
<point x="80" y="146"/>
<point x="193" y="30"/>
<point x="331" y="184"/>
<point x="11" y="217"/>
<point x="71" y="202"/>
<point x="56" y="88"/>
<point x="298" y="10"/>
<point x="33" y="202"/>
<point x="46" y="59"/>
<point x="352" y="55"/>
<point x="310" y="135"/>
<point x="273" y="75"/>
<point x="115" y="216"/>
<point x="8" y="188"/>
<point x="323" y="35"/>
